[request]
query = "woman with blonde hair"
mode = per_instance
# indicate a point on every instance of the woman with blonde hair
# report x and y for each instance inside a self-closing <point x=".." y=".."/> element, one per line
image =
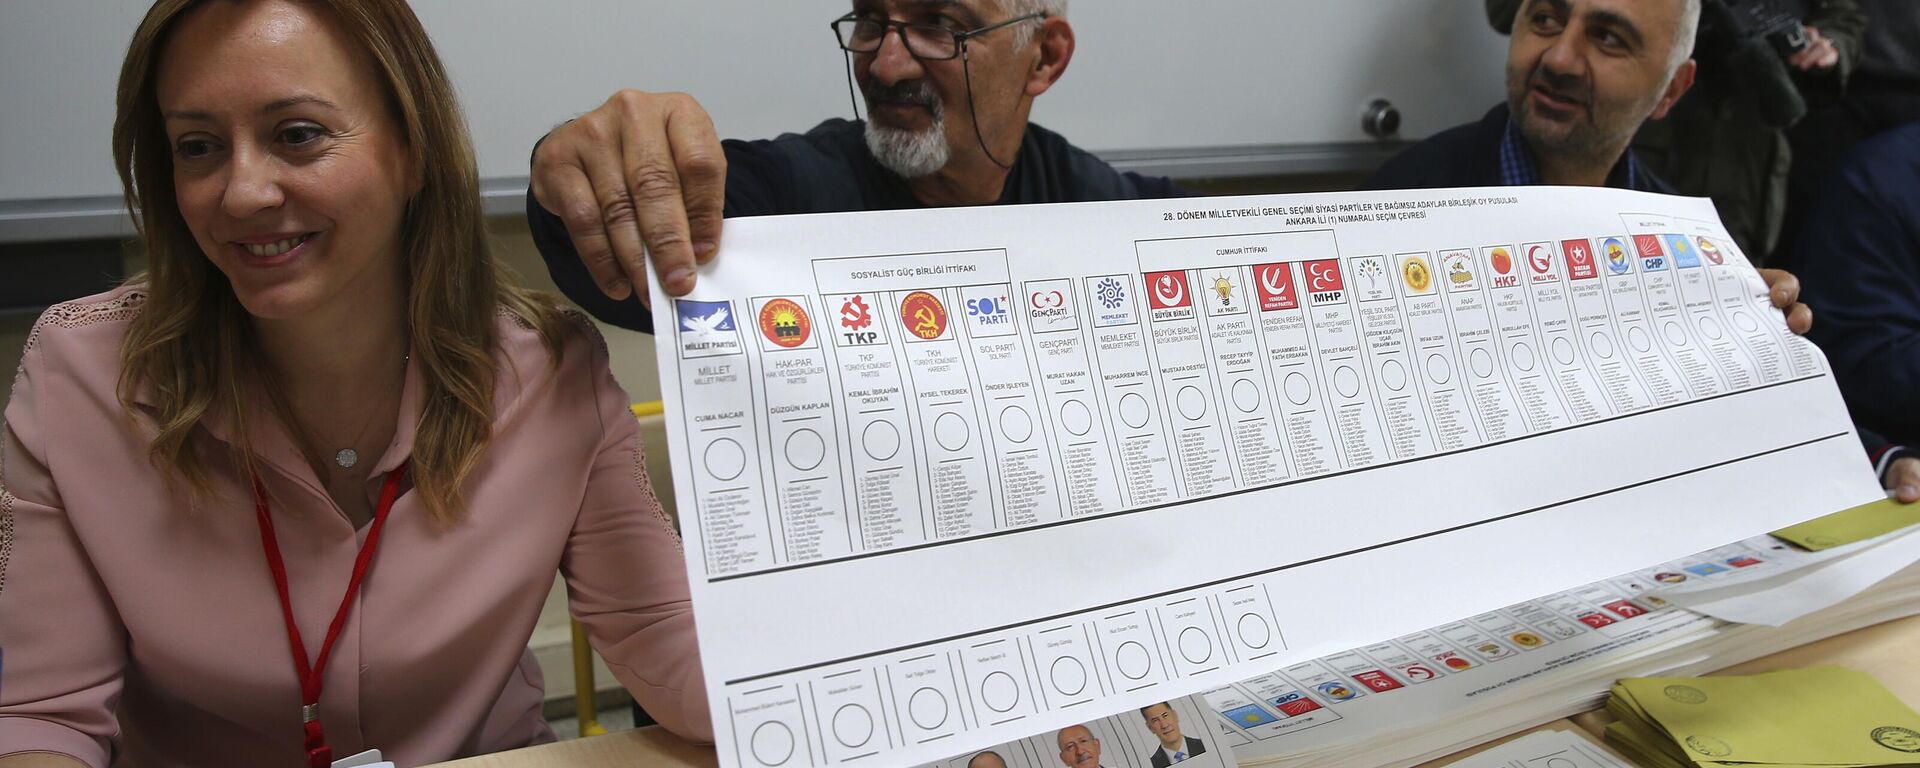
<point x="300" y="490"/>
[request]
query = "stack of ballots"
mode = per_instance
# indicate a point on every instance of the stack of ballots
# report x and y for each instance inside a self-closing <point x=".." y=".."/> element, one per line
<point x="1826" y="717"/>
<point x="1411" y="699"/>
<point x="1430" y="694"/>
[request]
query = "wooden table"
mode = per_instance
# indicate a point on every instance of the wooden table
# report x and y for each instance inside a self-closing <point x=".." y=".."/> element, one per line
<point x="1890" y="652"/>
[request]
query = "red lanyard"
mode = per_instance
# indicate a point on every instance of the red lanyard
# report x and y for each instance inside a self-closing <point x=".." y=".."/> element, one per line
<point x="319" y="754"/>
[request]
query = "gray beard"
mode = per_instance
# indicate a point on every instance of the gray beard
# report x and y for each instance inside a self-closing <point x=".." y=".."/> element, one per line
<point x="910" y="154"/>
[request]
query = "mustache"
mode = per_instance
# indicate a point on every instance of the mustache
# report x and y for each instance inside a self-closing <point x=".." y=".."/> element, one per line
<point x="915" y="92"/>
<point x="1562" y="84"/>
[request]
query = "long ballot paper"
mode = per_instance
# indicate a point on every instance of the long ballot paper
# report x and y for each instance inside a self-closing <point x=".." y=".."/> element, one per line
<point x="953" y="477"/>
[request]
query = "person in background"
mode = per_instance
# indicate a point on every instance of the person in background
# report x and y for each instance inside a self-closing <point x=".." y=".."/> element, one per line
<point x="1862" y="269"/>
<point x="948" y="87"/>
<point x="1882" y="94"/>
<point x="1582" y="77"/>
<point x="1760" y="62"/>
<point x="1727" y="139"/>
<point x="301" y="489"/>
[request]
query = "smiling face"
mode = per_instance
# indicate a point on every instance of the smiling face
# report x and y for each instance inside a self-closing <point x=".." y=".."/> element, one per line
<point x="917" y="114"/>
<point x="289" y="166"/>
<point x="1164" y="723"/>
<point x="1582" y="75"/>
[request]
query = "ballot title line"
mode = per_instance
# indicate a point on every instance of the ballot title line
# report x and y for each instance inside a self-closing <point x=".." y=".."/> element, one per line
<point x="1301" y="563"/>
<point x="1254" y="489"/>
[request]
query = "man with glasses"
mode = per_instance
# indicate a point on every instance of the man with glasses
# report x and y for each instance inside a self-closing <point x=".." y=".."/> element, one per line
<point x="947" y="86"/>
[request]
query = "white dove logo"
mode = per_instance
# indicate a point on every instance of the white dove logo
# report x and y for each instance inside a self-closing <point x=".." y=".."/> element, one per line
<point x="709" y="324"/>
<point x="1168" y="290"/>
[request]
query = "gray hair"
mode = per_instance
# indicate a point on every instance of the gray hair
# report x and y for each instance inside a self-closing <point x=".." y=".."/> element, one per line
<point x="1023" y="33"/>
<point x="1683" y="37"/>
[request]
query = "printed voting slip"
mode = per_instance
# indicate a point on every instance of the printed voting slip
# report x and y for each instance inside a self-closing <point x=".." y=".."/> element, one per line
<point x="953" y="477"/>
<point x="1158" y="735"/>
<point x="1400" y="701"/>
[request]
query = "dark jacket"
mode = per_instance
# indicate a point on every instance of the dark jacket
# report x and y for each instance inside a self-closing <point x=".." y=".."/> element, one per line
<point x="1859" y="268"/>
<point x="1161" y="759"/>
<point x="1723" y="140"/>
<point x="1469" y="156"/>
<point x="1716" y="142"/>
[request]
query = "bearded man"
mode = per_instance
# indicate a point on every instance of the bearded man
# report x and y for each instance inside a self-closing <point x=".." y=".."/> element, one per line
<point x="948" y="86"/>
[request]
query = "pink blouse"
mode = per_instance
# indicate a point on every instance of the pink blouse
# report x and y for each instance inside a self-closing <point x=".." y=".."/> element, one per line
<point x="139" y="630"/>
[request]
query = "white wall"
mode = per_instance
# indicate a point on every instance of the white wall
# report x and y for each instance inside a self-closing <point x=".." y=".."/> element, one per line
<point x="1148" y="75"/>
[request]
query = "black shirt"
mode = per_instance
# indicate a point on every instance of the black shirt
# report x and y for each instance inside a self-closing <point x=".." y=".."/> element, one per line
<point x="829" y="170"/>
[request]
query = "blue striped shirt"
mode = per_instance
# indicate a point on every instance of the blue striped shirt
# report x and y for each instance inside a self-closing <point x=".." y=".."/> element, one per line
<point x="1517" y="168"/>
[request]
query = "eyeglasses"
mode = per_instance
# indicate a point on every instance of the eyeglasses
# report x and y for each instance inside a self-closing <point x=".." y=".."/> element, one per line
<point x="927" y="42"/>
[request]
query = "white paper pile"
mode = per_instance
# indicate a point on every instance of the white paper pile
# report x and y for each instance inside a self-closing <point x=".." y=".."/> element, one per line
<point x="1433" y="693"/>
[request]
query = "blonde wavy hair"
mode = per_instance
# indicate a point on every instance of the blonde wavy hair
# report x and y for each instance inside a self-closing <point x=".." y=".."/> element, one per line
<point x="192" y="347"/>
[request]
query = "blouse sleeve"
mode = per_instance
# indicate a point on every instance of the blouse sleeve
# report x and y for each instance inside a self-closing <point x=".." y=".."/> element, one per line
<point x="626" y="575"/>
<point x="62" y="646"/>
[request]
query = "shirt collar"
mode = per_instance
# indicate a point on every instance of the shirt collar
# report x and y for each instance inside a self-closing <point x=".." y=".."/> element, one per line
<point x="1517" y="168"/>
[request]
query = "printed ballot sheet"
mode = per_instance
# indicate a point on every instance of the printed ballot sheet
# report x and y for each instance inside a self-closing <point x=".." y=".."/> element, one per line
<point x="949" y="478"/>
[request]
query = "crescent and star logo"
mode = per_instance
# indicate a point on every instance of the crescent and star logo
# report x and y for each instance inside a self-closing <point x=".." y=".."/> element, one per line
<point x="1169" y="290"/>
<point x="1322" y="276"/>
<point x="1271" y="278"/>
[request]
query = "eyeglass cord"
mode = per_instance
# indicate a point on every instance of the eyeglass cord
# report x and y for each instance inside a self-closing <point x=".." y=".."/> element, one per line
<point x="973" y="116"/>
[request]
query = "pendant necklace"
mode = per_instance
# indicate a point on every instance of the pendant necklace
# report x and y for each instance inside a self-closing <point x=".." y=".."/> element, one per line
<point x="347" y="457"/>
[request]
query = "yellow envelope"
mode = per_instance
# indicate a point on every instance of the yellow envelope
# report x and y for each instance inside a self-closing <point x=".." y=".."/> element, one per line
<point x="1848" y="526"/>
<point x="1640" y="747"/>
<point x="1825" y="716"/>
<point x="1638" y="733"/>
